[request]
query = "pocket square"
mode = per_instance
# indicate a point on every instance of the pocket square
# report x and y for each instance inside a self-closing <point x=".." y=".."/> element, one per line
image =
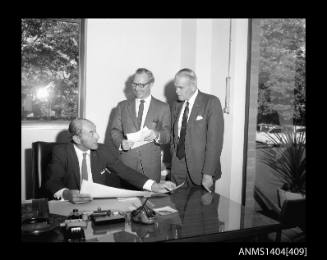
<point x="199" y="118"/>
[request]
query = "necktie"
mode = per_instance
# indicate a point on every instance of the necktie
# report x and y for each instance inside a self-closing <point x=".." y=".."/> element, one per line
<point x="84" y="168"/>
<point x="181" y="144"/>
<point x="140" y="113"/>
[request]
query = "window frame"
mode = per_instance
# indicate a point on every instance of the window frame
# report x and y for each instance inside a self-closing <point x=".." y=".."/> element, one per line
<point x="81" y="81"/>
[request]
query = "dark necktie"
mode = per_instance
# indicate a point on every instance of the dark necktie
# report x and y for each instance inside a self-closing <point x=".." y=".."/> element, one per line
<point x="140" y="113"/>
<point x="181" y="144"/>
<point x="84" y="168"/>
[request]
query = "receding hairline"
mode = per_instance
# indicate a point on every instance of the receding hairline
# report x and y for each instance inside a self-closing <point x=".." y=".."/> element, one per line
<point x="186" y="73"/>
<point x="76" y="125"/>
<point x="145" y="71"/>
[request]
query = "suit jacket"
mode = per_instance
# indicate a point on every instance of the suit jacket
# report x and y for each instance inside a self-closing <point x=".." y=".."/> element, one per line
<point x="64" y="171"/>
<point x="147" y="158"/>
<point x="204" y="136"/>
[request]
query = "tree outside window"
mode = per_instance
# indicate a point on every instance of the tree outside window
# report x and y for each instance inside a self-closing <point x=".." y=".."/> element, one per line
<point x="50" y="63"/>
<point x="281" y="98"/>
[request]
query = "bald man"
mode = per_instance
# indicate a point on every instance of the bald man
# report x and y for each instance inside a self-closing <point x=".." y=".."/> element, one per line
<point x="85" y="158"/>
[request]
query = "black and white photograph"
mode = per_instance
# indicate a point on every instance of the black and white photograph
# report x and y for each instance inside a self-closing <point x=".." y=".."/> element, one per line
<point x="164" y="130"/>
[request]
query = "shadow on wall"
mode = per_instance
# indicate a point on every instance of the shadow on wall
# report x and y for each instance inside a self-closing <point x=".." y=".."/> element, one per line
<point x="62" y="137"/>
<point x="170" y="93"/>
<point x="129" y="94"/>
<point x="128" y="90"/>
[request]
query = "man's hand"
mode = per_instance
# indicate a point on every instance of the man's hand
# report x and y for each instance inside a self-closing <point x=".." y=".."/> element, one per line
<point x="126" y="144"/>
<point x="153" y="134"/>
<point x="207" y="182"/>
<point x="206" y="198"/>
<point x="163" y="187"/>
<point x="75" y="197"/>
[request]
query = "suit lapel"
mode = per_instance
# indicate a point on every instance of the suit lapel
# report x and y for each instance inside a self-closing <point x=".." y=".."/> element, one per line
<point x="76" y="169"/>
<point x="93" y="161"/>
<point x="151" y="114"/>
<point x="177" y="112"/>
<point x="195" y="109"/>
<point x="132" y="112"/>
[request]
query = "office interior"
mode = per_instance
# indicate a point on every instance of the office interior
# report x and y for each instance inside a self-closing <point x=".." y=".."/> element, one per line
<point x="216" y="49"/>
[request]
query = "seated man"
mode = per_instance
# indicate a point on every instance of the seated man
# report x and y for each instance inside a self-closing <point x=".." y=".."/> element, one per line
<point x="85" y="158"/>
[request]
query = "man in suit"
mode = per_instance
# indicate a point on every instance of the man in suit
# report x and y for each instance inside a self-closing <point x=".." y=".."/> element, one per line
<point x="86" y="159"/>
<point x="196" y="135"/>
<point x="131" y="116"/>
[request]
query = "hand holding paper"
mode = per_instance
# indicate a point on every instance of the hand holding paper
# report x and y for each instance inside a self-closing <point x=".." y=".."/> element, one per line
<point x="139" y="137"/>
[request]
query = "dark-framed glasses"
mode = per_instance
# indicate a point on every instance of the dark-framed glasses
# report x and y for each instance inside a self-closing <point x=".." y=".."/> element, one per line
<point x="140" y="85"/>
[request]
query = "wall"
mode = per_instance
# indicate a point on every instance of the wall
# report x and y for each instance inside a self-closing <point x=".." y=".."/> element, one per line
<point x="205" y="45"/>
<point x="115" y="48"/>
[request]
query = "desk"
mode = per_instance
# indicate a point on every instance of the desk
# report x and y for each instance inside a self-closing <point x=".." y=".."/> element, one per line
<point x="201" y="217"/>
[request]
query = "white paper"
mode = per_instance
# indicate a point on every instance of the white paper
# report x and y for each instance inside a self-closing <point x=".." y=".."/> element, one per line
<point x="138" y="137"/>
<point x="97" y="190"/>
<point x="180" y="185"/>
<point x="165" y="210"/>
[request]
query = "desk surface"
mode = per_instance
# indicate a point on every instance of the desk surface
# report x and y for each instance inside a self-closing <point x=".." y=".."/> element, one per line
<point x="201" y="217"/>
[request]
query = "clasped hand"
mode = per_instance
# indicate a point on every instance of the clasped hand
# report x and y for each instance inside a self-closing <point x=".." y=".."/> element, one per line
<point x="151" y="136"/>
<point x="163" y="187"/>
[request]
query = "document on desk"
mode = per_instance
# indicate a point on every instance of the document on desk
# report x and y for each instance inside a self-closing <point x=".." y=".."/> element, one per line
<point x="97" y="190"/>
<point x="138" y="137"/>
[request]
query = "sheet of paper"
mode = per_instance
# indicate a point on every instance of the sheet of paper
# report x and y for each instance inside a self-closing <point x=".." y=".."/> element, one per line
<point x="165" y="210"/>
<point x="180" y="185"/>
<point x="138" y="137"/>
<point x="97" y="190"/>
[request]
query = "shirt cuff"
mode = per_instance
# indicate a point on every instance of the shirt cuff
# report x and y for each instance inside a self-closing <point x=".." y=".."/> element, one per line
<point x="148" y="184"/>
<point x="58" y="194"/>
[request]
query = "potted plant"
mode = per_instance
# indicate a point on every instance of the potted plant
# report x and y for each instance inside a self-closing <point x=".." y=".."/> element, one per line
<point x="288" y="160"/>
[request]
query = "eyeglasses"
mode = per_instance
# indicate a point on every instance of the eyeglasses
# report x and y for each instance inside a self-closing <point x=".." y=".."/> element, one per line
<point x="140" y="85"/>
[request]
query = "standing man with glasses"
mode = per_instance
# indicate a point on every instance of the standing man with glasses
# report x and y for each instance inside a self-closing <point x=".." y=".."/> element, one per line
<point x="197" y="134"/>
<point x="133" y="115"/>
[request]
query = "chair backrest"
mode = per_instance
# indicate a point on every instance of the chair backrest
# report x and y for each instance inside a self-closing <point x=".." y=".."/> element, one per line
<point x="41" y="156"/>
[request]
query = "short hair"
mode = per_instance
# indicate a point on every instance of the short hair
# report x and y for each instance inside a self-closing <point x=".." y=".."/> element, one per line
<point x="188" y="73"/>
<point x="75" y="126"/>
<point x="147" y="72"/>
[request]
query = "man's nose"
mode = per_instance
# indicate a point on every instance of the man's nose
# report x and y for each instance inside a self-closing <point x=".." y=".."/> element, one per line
<point x="97" y="136"/>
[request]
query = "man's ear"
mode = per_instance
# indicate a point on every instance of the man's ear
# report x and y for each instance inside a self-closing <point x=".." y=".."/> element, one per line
<point x="76" y="139"/>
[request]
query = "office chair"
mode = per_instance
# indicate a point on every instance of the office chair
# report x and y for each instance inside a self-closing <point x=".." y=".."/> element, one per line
<point x="41" y="156"/>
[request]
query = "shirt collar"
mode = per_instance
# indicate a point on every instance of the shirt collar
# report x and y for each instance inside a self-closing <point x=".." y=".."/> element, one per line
<point x="192" y="99"/>
<point x="146" y="100"/>
<point x="80" y="152"/>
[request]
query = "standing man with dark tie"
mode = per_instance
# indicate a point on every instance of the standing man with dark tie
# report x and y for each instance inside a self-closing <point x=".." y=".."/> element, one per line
<point x="196" y="135"/>
<point x="133" y="115"/>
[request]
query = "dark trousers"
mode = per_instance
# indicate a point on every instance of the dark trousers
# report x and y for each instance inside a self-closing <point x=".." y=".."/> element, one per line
<point x="180" y="173"/>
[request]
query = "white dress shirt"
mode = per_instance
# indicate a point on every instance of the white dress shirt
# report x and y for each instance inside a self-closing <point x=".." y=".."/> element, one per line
<point x="147" y="102"/>
<point x="58" y="195"/>
<point x="190" y="106"/>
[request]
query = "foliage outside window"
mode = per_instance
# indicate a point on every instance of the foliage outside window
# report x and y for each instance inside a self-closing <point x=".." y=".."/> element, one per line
<point x="50" y="69"/>
<point x="281" y="98"/>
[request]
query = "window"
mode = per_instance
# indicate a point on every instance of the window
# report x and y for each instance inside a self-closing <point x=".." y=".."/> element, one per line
<point x="276" y="100"/>
<point x="51" y="69"/>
